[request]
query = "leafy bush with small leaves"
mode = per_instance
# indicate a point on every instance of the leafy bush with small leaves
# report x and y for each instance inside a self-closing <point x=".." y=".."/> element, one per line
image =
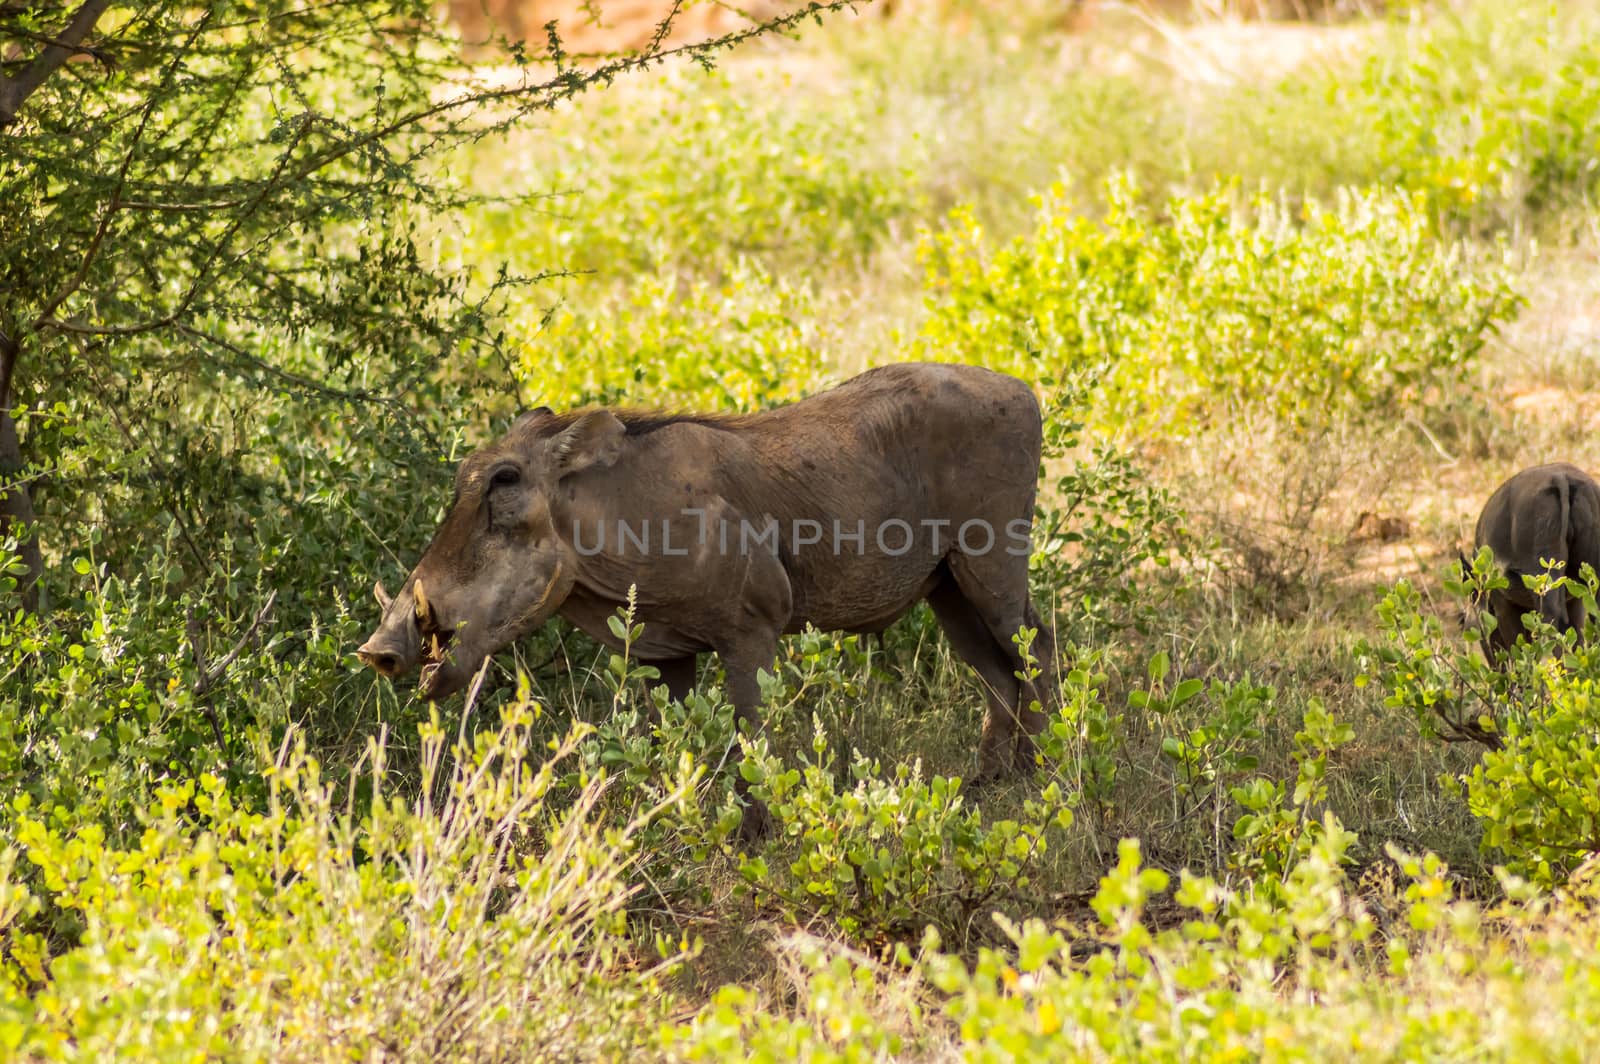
<point x="1181" y="317"/>
<point x="1278" y="828"/>
<point x="1107" y="533"/>
<point x="479" y="920"/>
<point x="1211" y="736"/>
<point x="714" y="172"/>
<point x="741" y="343"/>
<point x="1536" y="787"/>
<point x="1209" y="731"/>
<point x="1242" y="975"/>
<point x="651" y="748"/>
<point x="1486" y="141"/>
<point x="889" y="855"/>
<point x="128" y="687"/>
<point x="1080" y="744"/>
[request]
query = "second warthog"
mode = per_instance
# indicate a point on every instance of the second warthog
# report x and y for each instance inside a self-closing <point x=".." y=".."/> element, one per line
<point x="842" y="511"/>
<point x="1547" y="513"/>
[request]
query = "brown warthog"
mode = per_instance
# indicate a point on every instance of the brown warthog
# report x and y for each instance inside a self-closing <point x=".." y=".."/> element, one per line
<point x="1549" y="513"/>
<point x="841" y="511"/>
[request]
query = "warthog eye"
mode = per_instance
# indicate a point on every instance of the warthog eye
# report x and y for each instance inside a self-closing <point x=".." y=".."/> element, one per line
<point x="505" y="477"/>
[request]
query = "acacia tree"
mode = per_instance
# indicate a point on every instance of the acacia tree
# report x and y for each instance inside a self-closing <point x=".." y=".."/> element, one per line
<point x="201" y="202"/>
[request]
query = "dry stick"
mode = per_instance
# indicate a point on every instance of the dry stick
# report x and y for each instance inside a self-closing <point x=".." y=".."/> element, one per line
<point x="1416" y="422"/>
<point x="208" y="675"/>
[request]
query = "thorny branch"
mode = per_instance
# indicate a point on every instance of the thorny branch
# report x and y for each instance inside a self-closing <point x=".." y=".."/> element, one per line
<point x="17" y="88"/>
<point x="207" y="675"/>
<point x="541" y="95"/>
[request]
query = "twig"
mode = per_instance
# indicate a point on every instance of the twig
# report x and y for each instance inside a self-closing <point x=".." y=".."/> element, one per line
<point x="208" y="675"/>
<point x="14" y="90"/>
<point x="1449" y="459"/>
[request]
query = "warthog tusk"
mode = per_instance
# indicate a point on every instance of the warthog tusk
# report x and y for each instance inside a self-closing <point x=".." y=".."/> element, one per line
<point x="421" y="598"/>
<point x="548" y="588"/>
<point x="381" y="595"/>
<point x="514" y="625"/>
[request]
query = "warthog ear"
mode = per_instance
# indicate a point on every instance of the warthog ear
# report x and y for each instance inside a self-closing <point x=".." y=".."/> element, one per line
<point x="538" y="413"/>
<point x="595" y="439"/>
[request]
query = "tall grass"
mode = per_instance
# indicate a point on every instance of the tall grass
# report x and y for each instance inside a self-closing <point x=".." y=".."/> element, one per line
<point x="483" y="920"/>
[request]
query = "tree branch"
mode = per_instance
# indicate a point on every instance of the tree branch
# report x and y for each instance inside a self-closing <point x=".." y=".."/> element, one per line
<point x="14" y="90"/>
<point x="540" y="95"/>
<point x="207" y="674"/>
<point x="100" y="55"/>
<point x="115" y="202"/>
<point x="9" y="349"/>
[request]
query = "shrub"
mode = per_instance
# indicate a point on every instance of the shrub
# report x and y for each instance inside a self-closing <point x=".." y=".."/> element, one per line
<point x="891" y="855"/>
<point x="1079" y="747"/>
<point x="651" y="749"/>
<point x="1354" y="307"/>
<point x="1106" y="534"/>
<point x="1536" y="787"/>
<point x="1404" y="970"/>
<point x="1211" y="736"/>
<point x="1240" y="977"/>
<point x="745" y="342"/>
<point x="697" y="171"/>
<point x="477" y="921"/>
<point x="1489" y="111"/>
<point x="1208" y="734"/>
<point x="125" y="687"/>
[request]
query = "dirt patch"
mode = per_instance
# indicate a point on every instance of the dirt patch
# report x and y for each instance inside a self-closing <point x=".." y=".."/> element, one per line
<point x="595" y="27"/>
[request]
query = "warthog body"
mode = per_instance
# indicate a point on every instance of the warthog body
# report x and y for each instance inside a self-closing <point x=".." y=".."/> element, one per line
<point x="842" y="511"/>
<point x="1545" y="513"/>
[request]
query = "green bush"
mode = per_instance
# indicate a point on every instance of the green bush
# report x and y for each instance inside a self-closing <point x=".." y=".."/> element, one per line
<point x="1536" y="787"/>
<point x="1488" y="112"/>
<point x="688" y="175"/>
<point x="651" y="748"/>
<point x="105" y="699"/>
<point x="477" y="920"/>
<point x="1208" y="734"/>
<point x="1106" y="534"/>
<point x="745" y="342"/>
<point x="1186" y="317"/>
<point x="1241" y="977"/>
<point x="1079" y="748"/>
<point x="889" y="855"/>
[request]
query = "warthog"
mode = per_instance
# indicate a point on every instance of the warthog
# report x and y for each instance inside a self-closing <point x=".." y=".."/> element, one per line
<point x="1549" y="513"/>
<point x="842" y="511"/>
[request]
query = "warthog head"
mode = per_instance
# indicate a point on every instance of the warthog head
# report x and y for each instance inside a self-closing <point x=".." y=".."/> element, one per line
<point x="496" y="569"/>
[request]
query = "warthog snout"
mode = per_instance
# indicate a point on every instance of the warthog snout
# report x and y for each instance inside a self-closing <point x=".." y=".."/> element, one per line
<point x="394" y="649"/>
<point x="385" y="659"/>
<point x="410" y="633"/>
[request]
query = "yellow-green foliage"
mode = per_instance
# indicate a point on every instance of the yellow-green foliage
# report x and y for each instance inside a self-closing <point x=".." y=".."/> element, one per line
<point x="1537" y="785"/>
<point x="482" y="920"/>
<point x="1405" y="972"/>
<point x="891" y="854"/>
<point x="697" y="171"/>
<point x="1213" y="305"/>
<point x="1488" y="110"/>
<point x="740" y="343"/>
